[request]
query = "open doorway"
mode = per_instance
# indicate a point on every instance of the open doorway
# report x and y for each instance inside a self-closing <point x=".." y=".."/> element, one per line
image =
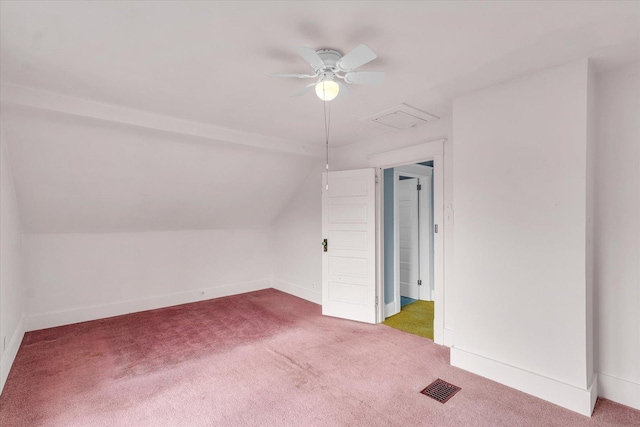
<point x="409" y="251"/>
<point x="428" y="151"/>
<point x="353" y="283"/>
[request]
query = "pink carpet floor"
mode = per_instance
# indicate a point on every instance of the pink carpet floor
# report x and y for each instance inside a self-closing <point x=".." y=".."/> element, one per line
<point x="264" y="358"/>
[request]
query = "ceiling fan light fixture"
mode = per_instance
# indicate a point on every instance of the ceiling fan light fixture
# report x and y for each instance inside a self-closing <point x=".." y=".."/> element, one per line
<point x="330" y="63"/>
<point x="327" y="89"/>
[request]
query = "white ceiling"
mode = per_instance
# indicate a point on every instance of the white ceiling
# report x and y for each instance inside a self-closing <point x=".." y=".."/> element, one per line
<point x="208" y="61"/>
<point x="132" y="116"/>
<point x="85" y="175"/>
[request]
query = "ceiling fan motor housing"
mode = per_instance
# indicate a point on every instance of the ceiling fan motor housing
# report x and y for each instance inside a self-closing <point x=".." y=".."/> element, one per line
<point x="326" y="75"/>
<point x="330" y="57"/>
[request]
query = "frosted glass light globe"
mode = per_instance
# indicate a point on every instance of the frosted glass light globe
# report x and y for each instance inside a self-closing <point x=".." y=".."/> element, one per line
<point x="327" y="90"/>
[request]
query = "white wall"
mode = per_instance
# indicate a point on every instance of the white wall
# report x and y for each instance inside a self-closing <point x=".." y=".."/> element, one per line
<point x="520" y="244"/>
<point x="78" y="277"/>
<point x="107" y="196"/>
<point x="355" y="156"/>
<point x="11" y="288"/>
<point x="297" y="234"/>
<point x="617" y="249"/>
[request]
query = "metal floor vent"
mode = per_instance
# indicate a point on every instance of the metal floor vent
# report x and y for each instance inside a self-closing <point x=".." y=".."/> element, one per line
<point x="440" y="390"/>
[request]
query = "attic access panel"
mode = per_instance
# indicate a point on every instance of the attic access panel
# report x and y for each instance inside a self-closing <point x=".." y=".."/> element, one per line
<point x="402" y="116"/>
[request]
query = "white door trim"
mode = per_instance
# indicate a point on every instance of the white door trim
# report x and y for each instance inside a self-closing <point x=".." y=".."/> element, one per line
<point x="409" y="155"/>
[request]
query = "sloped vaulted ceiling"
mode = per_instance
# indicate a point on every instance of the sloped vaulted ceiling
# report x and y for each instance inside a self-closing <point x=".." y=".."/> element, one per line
<point x="81" y="174"/>
<point x="133" y="116"/>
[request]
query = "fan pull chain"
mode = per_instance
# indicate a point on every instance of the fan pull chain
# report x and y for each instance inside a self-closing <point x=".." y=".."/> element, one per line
<point x="327" y="126"/>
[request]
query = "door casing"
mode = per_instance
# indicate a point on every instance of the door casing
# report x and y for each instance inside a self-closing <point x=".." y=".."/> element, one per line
<point x="404" y="156"/>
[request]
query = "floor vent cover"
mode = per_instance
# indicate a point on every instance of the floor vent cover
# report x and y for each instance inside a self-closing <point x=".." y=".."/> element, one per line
<point x="440" y="390"/>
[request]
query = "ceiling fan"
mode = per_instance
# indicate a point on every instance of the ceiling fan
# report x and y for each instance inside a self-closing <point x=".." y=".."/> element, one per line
<point x="330" y="67"/>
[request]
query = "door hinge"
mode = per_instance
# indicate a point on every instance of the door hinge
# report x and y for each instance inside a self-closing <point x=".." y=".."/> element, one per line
<point x="325" y="245"/>
<point x="419" y="187"/>
<point x="376" y="179"/>
<point x="376" y="301"/>
<point x="419" y="282"/>
<point x="436" y="228"/>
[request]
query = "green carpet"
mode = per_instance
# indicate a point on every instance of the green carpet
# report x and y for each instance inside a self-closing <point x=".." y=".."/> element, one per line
<point x="415" y="318"/>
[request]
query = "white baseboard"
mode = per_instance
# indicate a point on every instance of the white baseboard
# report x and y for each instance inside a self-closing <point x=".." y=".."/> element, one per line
<point x="298" y="291"/>
<point x="10" y="353"/>
<point x="619" y="390"/>
<point x="576" y="399"/>
<point x="83" y="314"/>
<point x="449" y="337"/>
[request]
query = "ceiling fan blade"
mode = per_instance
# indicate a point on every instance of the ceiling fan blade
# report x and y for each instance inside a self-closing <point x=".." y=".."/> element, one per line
<point x="298" y="76"/>
<point x="311" y="56"/>
<point x="344" y="90"/>
<point x="356" y="58"/>
<point x="365" y="77"/>
<point x="304" y="90"/>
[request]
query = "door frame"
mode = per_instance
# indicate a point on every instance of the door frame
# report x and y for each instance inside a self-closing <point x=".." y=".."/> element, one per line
<point x="424" y="227"/>
<point x="433" y="150"/>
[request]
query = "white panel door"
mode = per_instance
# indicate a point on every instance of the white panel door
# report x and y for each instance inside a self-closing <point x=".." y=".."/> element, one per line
<point x="408" y="238"/>
<point x="349" y="263"/>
